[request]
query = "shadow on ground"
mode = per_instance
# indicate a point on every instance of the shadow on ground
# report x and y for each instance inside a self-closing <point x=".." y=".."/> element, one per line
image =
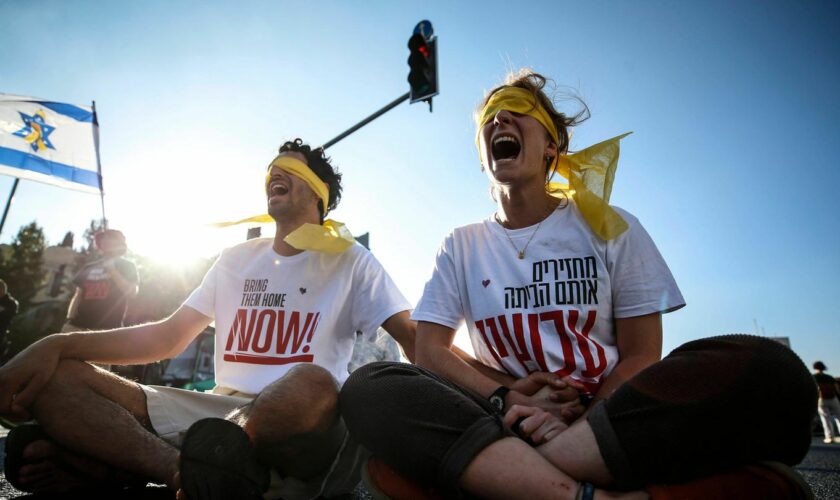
<point x="821" y="470"/>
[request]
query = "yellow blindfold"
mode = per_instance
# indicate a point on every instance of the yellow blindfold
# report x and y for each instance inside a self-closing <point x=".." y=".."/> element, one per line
<point x="330" y="237"/>
<point x="302" y="171"/>
<point x="590" y="172"/>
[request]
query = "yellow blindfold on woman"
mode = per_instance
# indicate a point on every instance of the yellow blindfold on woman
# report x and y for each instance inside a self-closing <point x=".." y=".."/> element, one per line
<point x="590" y="172"/>
<point x="330" y="237"/>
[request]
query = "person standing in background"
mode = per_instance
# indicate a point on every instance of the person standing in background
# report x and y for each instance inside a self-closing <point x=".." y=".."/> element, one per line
<point x="829" y="405"/>
<point x="8" y="310"/>
<point x="103" y="287"/>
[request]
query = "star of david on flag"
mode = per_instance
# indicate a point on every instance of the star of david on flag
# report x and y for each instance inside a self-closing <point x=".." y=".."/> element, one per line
<point x="36" y="131"/>
<point x="50" y="142"/>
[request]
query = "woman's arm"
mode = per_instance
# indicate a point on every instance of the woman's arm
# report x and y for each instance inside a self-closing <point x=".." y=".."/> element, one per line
<point x="639" y="346"/>
<point x="434" y="351"/>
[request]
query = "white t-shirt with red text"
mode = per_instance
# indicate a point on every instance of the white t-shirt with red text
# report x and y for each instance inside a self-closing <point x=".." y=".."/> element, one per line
<point x="554" y="310"/>
<point x="274" y="312"/>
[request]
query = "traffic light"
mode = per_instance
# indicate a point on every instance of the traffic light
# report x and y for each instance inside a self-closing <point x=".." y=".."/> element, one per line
<point x="422" y="60"/>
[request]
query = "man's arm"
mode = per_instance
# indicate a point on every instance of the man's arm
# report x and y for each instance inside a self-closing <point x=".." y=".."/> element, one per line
<point x="434" y="351"/>
<point x="25" y="375"/>
<point x="136" y="344"/>
<point x="639" y="346"/>
<point x="403" y="330"/>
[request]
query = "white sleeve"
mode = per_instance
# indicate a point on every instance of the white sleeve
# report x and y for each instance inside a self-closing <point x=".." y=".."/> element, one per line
<point x="375" y="295"/>
<point x="203" y="298"/>
<point x="640" y="278"/>
<point x="441" y="301"/>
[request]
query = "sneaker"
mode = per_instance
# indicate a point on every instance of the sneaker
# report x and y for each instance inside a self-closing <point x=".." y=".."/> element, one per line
<point x="763" y="481"/>
<point x="828" y="440"/>
<point x="218" y="463"/>
<point x="384" y="483"/>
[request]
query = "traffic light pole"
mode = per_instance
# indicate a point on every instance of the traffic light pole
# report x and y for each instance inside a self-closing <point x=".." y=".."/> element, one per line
<point x="367" y="120"/>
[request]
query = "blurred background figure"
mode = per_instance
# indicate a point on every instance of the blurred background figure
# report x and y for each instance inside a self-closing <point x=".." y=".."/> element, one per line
<point x="8" y="310"/>
<point x="829" y="405"/>
<point x="370" y="348"/>
<point x="103" y="287"/>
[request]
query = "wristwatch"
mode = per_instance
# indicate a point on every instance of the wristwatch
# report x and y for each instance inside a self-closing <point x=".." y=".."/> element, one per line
<point x="497" y="399"/>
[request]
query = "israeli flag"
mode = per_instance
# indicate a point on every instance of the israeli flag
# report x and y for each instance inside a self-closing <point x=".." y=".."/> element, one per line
<point x="49" y="142"/>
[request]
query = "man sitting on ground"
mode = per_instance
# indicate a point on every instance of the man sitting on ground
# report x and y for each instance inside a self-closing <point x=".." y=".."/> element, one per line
<point x="286" y="311"/>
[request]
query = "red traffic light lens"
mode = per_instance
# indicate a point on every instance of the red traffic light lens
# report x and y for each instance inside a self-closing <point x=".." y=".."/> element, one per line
<point x="416" y="42"/>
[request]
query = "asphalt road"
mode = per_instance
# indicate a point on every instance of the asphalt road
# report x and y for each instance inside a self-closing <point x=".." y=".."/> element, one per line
<point x="821" y="470"/>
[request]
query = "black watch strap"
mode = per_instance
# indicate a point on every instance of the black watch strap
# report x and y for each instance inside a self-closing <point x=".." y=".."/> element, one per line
<point x="497" y="399"/>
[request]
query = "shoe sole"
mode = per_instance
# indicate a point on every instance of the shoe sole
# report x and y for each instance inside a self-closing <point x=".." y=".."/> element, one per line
<point x="218" y="463"/>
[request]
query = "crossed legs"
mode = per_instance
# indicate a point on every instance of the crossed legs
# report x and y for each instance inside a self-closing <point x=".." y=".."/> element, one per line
<point x="686" y="417"/>
<point x="441" y="435"/>
<point x="96" y="415"/>
<point x="96" y="418"/>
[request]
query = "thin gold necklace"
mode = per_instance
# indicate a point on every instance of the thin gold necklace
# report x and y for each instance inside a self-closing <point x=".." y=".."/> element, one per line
<point x="521" y="253"/>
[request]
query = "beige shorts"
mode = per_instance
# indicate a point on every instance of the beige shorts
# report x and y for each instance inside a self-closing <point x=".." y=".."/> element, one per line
<point x="172" y="411"/>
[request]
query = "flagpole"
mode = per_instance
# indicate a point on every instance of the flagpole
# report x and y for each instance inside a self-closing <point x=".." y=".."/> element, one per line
<point x="99" y="164"/>
<point x="9" y="204"/>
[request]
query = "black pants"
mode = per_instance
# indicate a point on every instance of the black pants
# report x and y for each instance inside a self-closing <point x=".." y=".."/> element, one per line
<point x="711" y="405"/>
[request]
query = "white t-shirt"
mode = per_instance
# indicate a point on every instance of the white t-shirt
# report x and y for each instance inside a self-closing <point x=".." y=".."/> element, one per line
<point x="553" y="310"/>
<point x="273" y="312"/>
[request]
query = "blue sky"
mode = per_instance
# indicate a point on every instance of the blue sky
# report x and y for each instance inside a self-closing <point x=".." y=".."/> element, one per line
<point x="731" y="167"/>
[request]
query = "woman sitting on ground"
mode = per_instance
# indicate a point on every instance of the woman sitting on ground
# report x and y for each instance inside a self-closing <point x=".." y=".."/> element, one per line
<point x="557" y="283"/>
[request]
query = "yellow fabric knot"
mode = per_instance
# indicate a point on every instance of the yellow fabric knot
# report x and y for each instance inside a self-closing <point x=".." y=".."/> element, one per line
<point x="329" y="237"/>
<point x="590" y="172"/>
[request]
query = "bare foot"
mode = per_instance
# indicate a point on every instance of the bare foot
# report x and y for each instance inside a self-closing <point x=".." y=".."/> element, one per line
<point x="42" y="474"/>
<point x="50" y="468"/>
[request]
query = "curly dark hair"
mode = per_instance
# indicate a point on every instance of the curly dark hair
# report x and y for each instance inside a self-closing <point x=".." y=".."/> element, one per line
<point x="320" y="164"/>
<point x="535" y="83"/>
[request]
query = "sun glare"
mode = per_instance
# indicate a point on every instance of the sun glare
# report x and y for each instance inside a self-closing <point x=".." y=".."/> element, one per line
<point x="169" y="221"/>
<point x="183" y="245"/>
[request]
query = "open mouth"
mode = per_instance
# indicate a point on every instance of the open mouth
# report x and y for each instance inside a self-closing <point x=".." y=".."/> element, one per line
<point x="277" y="189"/>
<point x="506" y="147"/>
